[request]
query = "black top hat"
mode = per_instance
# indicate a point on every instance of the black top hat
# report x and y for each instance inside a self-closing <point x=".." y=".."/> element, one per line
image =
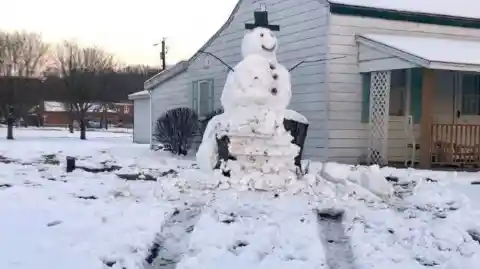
<point x="261" y="20"/>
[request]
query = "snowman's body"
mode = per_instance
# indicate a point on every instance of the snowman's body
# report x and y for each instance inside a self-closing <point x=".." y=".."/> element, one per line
<point x="255" y="98"/>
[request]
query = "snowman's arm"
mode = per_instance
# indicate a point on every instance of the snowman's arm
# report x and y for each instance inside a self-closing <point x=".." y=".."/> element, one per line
<point x="312" y="61"/>
<point x="214" y="56"/>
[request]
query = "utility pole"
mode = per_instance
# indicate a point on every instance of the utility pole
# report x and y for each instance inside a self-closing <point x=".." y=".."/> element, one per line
<point x="163" y="53"/>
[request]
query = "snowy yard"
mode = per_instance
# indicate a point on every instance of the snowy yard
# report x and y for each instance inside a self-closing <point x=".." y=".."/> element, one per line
<point x="53" y="219"/>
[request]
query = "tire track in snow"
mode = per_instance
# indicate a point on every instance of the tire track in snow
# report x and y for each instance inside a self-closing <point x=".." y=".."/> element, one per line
<point x="172" y="241"/>
<point x="338" y="250"/>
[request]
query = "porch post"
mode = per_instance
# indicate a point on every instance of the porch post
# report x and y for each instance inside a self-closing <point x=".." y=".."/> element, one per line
<point x="428" y="86"/>
<point x="379" y="117"/>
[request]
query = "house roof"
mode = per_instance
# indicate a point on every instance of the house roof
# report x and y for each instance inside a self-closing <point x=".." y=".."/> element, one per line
<point x="139" y="95"/>
<point x="461" y="9"/>
<point x="165" y="75"/>
<point x="429" y="52"/>
<point x="458" y="8"/>
<point x="54" y="106"/>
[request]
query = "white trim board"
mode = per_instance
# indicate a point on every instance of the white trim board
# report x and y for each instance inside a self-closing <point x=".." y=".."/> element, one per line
<point x="410" y="52"/>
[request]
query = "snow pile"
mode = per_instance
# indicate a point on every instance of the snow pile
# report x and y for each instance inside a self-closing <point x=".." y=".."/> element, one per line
<point x="357" y="177"/>
<point x="432" y="227"/>
<point x="256" y="232"/>
<point x="426" y="224"/>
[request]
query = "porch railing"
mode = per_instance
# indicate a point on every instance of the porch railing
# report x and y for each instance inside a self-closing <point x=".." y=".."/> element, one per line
<point x="455" y="144"/>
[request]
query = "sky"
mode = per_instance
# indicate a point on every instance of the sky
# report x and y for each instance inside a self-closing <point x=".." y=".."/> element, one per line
<point x="127" y="28"/>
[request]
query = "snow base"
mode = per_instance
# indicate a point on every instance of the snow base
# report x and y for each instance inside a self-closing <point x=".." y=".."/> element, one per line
<point x="262" y="149"/>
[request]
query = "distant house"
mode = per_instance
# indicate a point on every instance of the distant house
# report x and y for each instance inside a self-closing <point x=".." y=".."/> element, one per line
<point x="124" y="113"/>
<point x="56" y="114"/>
<point x="400" y="71"/>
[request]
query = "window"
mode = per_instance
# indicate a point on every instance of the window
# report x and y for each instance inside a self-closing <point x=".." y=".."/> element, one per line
<point x="126" y="109"/>
<point x="203" y="95"/>
<point x="470" y="94"/>
<point x="398" y="92"/>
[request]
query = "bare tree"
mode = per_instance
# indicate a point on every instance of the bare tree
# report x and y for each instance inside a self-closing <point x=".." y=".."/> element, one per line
<point x="27" y="52"/>
<point x="11" y="54"/>
<point x="22" y="57"/>
<point x="81" y="70"/>
<point x="3" y="67"/>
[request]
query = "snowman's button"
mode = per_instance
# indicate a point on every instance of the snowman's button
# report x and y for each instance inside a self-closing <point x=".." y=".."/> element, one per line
<point x="255" y="77"/>
<point x="272" y="66"/>
<point x="275" y="76"/>
<point x="274" y="91"/>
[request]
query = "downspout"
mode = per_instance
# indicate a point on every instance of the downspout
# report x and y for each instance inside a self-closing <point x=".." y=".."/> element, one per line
<point x="150" y="118"/>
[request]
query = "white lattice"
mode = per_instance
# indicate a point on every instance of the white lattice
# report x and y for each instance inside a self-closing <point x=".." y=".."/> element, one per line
<point x="379" y="108"/>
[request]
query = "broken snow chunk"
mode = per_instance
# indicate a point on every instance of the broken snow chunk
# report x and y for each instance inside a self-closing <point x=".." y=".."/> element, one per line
<point x="475" y="234"/>
<point x="330" y="213"/>
<point x="91" y="197"/>
<point x="236" y="248"/>
<point x="5" y="186"/>
<point x="109" y="263"/>
<point x="54" y="223"/>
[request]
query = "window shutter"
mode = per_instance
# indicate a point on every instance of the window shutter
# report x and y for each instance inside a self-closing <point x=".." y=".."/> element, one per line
<point x="416" y="94"/>
<point x="211" y="96"/>
<point x="366" y="97"/>
<point x="195" y="96"/>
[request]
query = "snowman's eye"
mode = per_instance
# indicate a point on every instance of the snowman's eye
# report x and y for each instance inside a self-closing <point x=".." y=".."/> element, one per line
<point x="255" y="77"/>
<point x="261" y="35"/>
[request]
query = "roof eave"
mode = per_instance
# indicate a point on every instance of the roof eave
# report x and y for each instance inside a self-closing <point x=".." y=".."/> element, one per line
<point x="422" y="62"/>
<point x="401" y="15"/>
<point x="392" y="51"/>
<point x="455" y="66"/>
<point x="139" y="95"/>
<point x="165" y="75"/>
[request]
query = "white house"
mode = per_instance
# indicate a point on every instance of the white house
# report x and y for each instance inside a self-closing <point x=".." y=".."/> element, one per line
<point x="390" y="61"/>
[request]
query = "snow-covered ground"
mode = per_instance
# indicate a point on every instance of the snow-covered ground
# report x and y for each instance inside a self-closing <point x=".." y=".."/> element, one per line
<point x="53" y="219"/>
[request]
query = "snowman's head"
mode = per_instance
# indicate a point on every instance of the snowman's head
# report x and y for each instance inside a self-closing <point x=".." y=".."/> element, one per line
<point x="260" y="41"/>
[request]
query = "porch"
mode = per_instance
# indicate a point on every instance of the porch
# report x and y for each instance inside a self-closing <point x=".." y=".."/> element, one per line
<point x="422" y="98"/>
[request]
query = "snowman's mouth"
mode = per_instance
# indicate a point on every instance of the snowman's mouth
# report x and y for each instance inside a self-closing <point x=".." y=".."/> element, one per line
<point x="269" y="49"/>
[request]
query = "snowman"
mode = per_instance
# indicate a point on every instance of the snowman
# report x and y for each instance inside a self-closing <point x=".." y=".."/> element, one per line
<point x="255" y="97"/>
<point x="259" y="41"/>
